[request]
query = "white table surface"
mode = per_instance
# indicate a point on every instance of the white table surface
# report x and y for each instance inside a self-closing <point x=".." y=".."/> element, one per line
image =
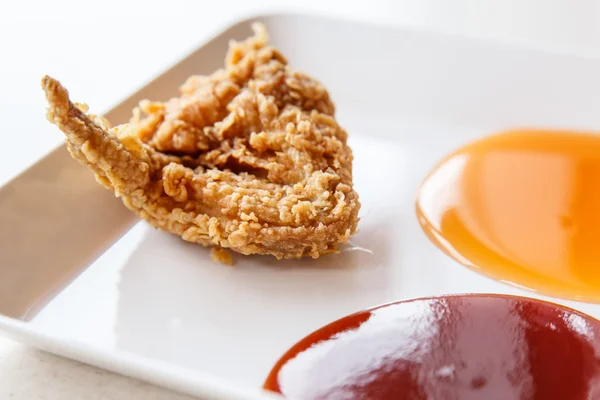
<point x="88" y="46"/>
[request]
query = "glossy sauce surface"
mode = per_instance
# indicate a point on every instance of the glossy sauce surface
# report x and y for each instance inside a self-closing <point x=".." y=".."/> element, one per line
<point x="452" y="348"/>
<point x="522" y="207"/>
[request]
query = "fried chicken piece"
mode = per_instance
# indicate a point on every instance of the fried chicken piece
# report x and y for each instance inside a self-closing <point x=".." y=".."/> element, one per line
<point x="249" y="158"/>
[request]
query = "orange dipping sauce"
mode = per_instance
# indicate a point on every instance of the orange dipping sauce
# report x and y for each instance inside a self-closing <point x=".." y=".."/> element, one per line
<point x="522" y="207"/>
<point x="453" y="348"/>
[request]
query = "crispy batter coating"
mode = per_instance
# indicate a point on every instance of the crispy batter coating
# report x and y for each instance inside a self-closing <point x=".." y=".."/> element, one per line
<point x="249" y="158"/>
<point x="220" y="255"/>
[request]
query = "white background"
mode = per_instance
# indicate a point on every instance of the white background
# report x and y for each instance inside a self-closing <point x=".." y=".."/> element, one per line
<point x="104" y="50"/>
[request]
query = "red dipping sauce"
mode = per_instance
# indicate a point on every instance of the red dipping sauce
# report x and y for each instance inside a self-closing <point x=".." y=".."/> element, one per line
<point x="466" y="347"/>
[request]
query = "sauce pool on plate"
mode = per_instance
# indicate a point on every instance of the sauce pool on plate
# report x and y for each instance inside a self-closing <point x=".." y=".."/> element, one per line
<point x="453" y="348"/>
<point x="522" y="207"/>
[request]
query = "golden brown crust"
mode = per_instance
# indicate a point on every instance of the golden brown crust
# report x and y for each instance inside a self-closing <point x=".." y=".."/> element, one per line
<point x="220" y="255"/>
<point x="248" y="158"/>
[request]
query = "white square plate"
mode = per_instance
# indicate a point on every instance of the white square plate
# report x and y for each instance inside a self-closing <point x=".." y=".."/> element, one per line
<point x="81" y="277"/>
